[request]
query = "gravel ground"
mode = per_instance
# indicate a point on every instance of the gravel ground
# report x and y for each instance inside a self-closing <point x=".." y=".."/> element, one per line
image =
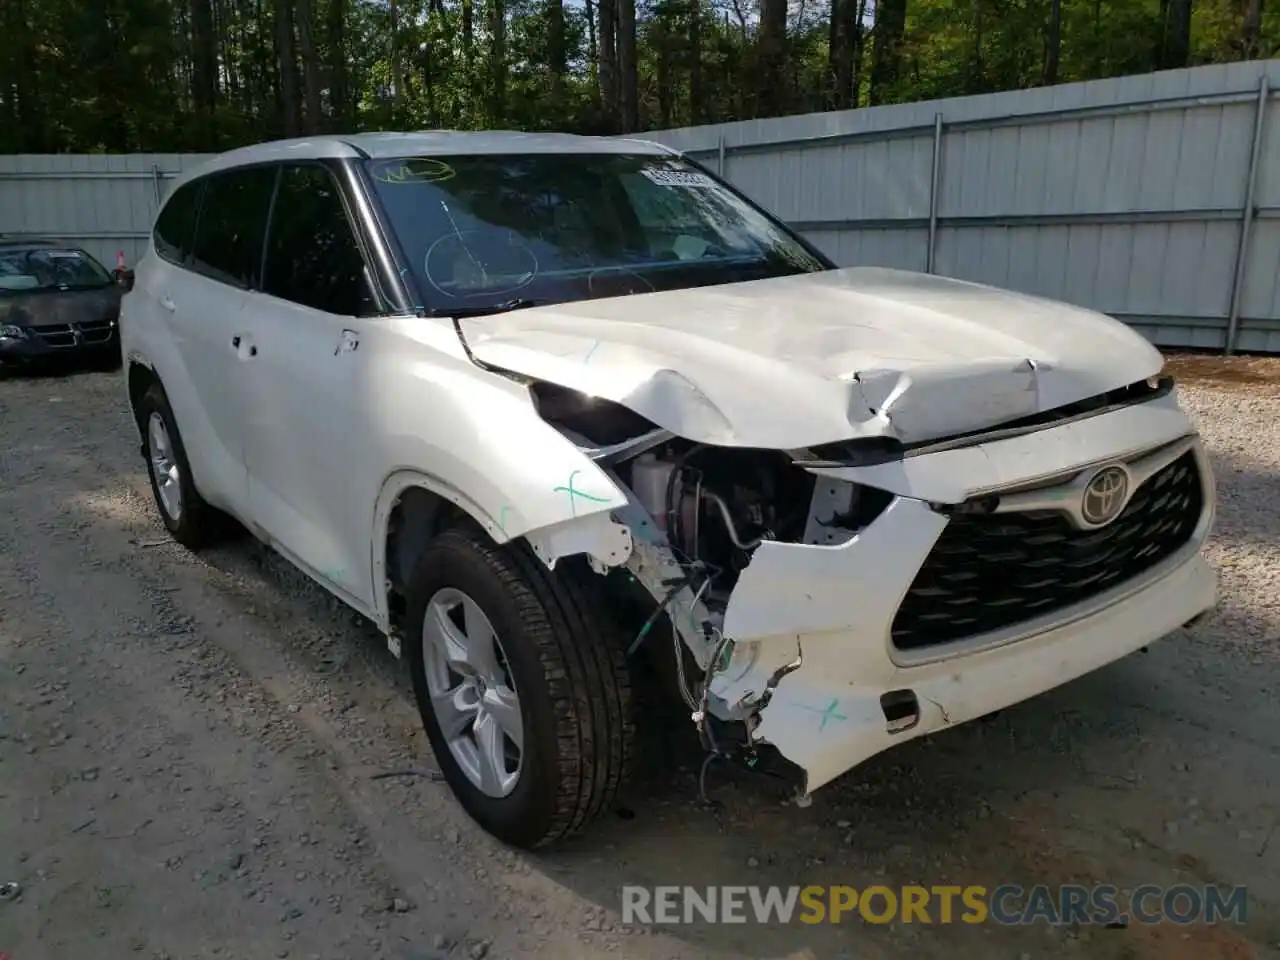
<point x="207" y="757"/>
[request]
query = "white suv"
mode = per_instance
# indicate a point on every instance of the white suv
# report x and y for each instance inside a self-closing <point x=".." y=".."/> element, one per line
<point x="543" y="406"/>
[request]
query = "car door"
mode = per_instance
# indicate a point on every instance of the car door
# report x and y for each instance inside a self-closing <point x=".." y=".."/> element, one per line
<point x="303" y="382"/>
<point x="168" y="336"/>
<point x="204" y="303"/>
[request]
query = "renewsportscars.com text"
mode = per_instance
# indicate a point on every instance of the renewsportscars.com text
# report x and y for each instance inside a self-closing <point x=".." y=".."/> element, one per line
<point x="1006" y="905"/>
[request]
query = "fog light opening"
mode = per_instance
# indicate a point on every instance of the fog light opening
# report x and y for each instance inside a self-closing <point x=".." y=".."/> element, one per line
<point x="901" y="710"/>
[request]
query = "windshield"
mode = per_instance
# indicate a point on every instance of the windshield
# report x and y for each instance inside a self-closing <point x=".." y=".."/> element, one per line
<point x="23" y="269"/>
<point x="546" y="228"/>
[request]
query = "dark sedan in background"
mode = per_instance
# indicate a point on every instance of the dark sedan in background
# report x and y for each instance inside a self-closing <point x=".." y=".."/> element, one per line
<point x="56" y="302"/>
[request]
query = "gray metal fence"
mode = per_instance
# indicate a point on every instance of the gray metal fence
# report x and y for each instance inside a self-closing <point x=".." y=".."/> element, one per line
<point x="105" y="203"/>
<point x="1154" y="198"/>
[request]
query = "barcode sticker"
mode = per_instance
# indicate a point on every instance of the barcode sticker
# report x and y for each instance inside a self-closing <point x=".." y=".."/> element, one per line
<point x="666" y="177"/>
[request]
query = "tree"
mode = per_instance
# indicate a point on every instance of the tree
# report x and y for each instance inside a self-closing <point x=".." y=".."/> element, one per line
<point x="205" y="75"/>
<point x="886" y="50"/>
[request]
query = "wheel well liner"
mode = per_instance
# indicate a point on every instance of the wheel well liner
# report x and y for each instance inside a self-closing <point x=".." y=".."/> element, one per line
<point x="418" y="515"/>
<point x="141" y="377"/>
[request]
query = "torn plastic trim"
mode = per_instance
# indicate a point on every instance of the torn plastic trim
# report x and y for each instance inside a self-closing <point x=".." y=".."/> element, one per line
<point x="801" y="588"/>
<point x="605" y="542"/>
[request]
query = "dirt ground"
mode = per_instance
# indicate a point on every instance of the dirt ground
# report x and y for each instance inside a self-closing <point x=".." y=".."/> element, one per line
<point x="208" y="757"/>
<point x="1253" y="374"/>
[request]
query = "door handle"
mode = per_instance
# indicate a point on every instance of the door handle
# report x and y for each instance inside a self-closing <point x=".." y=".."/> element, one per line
<point x="235" y="343"/>
<point x="168" y="304"/>
<point x="243" y="349"/>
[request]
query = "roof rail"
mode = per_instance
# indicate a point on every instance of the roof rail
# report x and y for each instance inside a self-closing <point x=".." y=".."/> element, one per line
<point x="346" y="141"/>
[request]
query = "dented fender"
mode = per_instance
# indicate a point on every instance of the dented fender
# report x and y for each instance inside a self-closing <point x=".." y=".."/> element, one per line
<point x="479" y="444"/>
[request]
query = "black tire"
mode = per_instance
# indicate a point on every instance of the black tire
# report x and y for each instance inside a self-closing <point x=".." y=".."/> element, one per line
<point x="566" y="661"/>
<point x="198" y="524"/>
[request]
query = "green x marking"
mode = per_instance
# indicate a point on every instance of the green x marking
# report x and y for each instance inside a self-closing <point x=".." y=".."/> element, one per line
<point x="572" y="492"/>
<point x="831" y="714"/>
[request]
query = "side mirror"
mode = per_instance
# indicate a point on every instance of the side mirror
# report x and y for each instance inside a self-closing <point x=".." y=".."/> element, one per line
<point x="124" y="278"/>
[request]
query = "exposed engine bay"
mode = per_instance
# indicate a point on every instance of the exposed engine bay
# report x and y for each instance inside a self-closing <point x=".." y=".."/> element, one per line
<point x="716" y="506"/>
<point x="713" y="506"/>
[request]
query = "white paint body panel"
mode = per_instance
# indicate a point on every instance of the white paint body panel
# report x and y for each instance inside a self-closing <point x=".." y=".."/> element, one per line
<point x="816" y="358"/>
<point x="310" y="444"/>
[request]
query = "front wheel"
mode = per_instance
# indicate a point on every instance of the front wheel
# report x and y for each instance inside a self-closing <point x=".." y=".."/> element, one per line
<point x="522" y="686"/>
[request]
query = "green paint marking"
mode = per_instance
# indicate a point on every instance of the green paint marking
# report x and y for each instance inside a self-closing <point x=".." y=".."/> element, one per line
<point x="502" y="517"/>
<point x="831" y="714"/>
<point x="413" y="170"/>
<point x="572" y="492"/>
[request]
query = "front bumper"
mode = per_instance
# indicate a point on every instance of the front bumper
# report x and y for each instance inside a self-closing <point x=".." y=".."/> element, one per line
<point x="70" y="341"/>
<point x="815" y="669"/>
<point x="829" y="716"/>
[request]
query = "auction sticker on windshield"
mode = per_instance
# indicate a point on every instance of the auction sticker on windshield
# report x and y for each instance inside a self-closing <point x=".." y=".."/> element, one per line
<point x="666" y="177"/>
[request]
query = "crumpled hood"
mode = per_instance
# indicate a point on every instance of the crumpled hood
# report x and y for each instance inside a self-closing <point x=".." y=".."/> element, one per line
<point x="816" y="358"/>
<point x="41" y="308"/>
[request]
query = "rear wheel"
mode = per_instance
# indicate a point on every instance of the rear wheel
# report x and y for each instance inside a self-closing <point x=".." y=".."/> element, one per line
<point x="522" y="687"/>
<point x="189" y="520"/>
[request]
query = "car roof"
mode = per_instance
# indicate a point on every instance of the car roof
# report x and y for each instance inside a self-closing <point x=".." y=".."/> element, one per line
<point x="13" y="240"/>
<point x="388" y="145"/>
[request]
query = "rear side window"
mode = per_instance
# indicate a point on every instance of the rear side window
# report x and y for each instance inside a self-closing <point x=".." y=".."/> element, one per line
<point x="176" y="226"/>
<point x="232" y="224"/>
<point x="312" y="255"/>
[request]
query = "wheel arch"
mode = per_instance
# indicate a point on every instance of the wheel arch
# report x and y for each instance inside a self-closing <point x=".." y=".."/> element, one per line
<point x="140" y="375"/>
<point x="414" y="506"/>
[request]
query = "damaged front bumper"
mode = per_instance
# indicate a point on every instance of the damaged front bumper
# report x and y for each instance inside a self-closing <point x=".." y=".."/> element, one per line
<point x="852" y="698"/>
<point x="815" y="669"/>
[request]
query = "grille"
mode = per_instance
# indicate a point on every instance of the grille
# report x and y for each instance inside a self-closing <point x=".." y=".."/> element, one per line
<point x="990" y="571"/>
<point x="64" y="334"/>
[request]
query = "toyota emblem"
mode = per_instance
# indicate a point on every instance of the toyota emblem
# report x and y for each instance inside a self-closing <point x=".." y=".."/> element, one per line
<point x="1104" y="496"/>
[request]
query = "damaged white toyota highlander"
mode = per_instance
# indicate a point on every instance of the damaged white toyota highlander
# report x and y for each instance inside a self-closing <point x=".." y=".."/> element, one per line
<point x="559" y="412"/>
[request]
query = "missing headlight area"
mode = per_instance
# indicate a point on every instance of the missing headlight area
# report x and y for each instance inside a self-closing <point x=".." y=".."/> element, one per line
<point x="589" y="421"/>
<point x="699" y="512"/>
<point x="714" y="507"/>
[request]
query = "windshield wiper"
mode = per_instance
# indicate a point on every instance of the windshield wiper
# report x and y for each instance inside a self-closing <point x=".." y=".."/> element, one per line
<point x="519" y="303"/>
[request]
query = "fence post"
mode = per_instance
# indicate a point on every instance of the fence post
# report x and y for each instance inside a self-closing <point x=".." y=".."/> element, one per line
<point x="1246" y="220"/>
<point x="720" y="157"/>
<point x="933" y="192"/>
<point x="155" y="183"/>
